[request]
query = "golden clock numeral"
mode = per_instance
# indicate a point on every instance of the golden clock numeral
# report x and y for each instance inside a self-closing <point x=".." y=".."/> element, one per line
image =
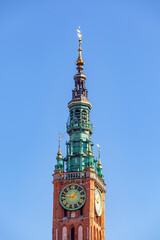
<point x="67" y="188"/>
<point x="81" y="191"/>
<point x="64" y="202"/>
<point x="72" y="187"/>
<point x="83" y="195"/>
<point x="72" y="206"/>
<point x="80" y="200"/>
<point x="63" y="198"/>
<point x="78" y="205"/>
<point x="67" y="205"/>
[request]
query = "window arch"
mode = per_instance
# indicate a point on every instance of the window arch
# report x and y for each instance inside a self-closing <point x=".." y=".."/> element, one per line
<point x="80" y="233"/>
<point x="64" y="233"/>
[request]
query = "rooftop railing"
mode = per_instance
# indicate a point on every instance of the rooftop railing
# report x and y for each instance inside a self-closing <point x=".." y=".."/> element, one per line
<point x="78" y="175"/>
<point x="72" y="175"/>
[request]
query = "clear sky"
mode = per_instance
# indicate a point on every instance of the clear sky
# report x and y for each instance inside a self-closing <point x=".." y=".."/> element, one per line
<point x="121" y="50"/>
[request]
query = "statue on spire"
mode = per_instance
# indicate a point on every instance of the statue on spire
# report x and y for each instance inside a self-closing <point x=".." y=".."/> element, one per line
<point x="79" y="60"/>
<point x="79" y="33"/>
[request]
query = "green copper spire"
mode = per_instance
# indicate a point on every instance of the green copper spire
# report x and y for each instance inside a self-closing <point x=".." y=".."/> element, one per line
<point x="99" y="166"/>
<point x="79" y="155"/>
<point x="59" y="165"/>
<point x="79" y="126"/>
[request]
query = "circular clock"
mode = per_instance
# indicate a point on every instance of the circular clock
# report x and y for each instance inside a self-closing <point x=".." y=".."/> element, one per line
<point x="72" y="196"/>
<point x="98" y="202"/>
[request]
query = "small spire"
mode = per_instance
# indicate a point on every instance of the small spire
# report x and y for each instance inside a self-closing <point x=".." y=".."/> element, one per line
<point x="99" y="160"/>
<point x="79" y="60"/>
<point x="99" y="164"/>
<point x="59" y="154"/>
<point x="59" y="165"/>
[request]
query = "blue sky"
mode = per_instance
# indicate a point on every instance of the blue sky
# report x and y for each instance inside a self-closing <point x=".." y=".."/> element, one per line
<point x="121" y="50"/>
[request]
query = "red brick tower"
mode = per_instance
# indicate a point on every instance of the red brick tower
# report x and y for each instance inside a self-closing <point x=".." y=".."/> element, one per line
<point x="79" y="188"/>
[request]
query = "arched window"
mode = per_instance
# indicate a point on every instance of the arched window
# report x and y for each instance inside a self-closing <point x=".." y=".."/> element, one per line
<point x="64" y="233"/>
<point x="72" y="234"/>
<point x="80" y="233"/>
<point x="84" y="116"/>
<point x="77" y="116"/>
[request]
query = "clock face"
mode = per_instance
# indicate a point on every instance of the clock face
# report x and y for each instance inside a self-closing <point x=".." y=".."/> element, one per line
<point x="72" y="196"/>
<point x="98" y="202"/>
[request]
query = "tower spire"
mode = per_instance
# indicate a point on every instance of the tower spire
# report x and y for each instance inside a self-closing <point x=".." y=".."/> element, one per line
<point x="80" y="92"/>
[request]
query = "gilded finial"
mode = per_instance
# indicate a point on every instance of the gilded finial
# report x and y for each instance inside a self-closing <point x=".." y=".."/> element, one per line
<point x="59" y="148"/>
<point x="79" y="60"/>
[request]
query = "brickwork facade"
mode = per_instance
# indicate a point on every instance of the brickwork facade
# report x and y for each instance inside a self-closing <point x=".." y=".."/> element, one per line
<point x="93" y="227"/>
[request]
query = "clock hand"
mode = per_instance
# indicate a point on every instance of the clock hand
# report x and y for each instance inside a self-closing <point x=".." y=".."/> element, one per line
<point x="75" y="193"/>
<point x="97" y="200"/>
<point x="72" y="195"/>
<point x="68" y="195"/>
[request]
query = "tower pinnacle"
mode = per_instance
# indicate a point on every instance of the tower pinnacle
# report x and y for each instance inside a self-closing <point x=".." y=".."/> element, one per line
<point x="99" y="166"/>
<point x="59" y="165"/>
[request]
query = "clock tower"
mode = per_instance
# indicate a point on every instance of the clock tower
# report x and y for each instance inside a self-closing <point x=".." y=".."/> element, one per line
<point x="79" y="188"/>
